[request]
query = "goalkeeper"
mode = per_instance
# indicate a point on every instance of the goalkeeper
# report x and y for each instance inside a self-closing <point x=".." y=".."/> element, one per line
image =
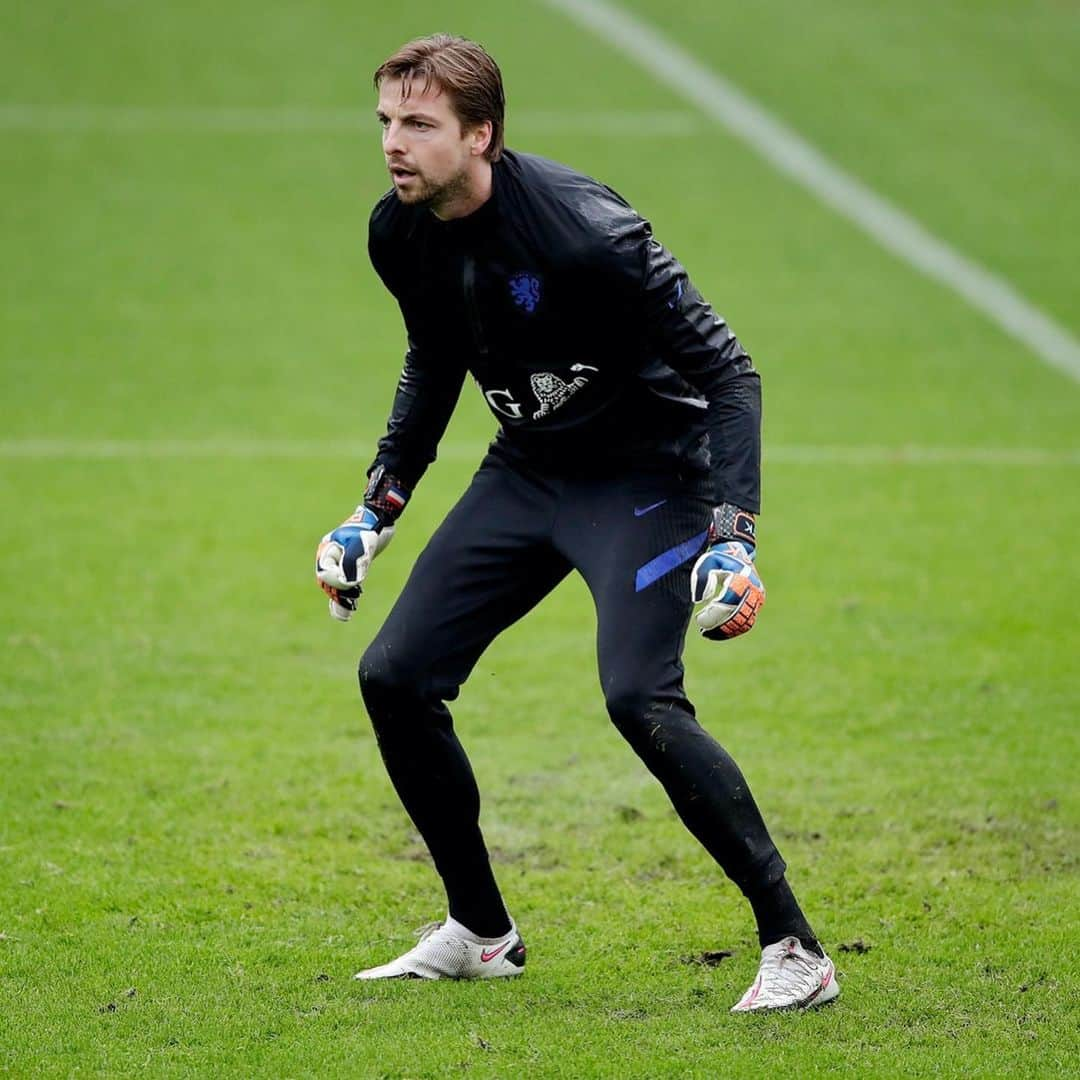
<point x="628" y="450"/>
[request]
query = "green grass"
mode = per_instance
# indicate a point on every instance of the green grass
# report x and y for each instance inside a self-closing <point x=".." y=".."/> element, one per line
<point x="198" y="844"/>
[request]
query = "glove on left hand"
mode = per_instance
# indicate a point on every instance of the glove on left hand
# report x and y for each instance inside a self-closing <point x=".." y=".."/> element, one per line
<point x="726" y="581"/>
<point x="344" y="556"/>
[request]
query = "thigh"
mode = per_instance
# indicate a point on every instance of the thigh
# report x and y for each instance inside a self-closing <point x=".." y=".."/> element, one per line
<point x="634" y="540"/>
<point x="487" y="564"/>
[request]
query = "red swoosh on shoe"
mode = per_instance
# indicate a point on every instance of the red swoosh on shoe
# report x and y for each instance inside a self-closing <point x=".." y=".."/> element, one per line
<point x="485" y="956"/>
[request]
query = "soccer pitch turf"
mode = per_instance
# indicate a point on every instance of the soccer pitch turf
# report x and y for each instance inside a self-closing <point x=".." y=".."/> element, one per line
<point x="198" y="843"/>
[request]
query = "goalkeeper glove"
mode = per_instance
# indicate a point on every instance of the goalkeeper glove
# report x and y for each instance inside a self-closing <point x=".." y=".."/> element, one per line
<point x="724" y="579"/>
<point x="344" y="555"/>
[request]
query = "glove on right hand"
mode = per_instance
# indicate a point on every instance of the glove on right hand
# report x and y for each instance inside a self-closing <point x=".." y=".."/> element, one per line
<point x="344" y="556"/>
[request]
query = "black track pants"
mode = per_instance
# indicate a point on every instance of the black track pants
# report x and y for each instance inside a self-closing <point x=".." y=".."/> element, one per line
<point x="510" y="539"/>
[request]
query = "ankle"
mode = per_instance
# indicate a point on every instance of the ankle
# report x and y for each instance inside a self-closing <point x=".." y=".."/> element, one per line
<point x="779" y="916"/>
<point x="483" y="928"/>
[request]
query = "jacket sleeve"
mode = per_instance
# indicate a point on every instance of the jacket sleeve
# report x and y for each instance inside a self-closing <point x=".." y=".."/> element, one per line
<point x="427" y="393"/>
<point x="427" y="390"/>
<point x="687" y="335"/>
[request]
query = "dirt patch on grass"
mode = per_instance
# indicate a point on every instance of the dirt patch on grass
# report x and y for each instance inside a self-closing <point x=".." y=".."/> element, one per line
<point x="857" y="946"/>
<point x="709" y="958"/>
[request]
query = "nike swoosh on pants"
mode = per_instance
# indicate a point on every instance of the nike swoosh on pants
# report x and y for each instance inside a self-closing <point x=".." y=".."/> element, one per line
<point x="641" y="511"/>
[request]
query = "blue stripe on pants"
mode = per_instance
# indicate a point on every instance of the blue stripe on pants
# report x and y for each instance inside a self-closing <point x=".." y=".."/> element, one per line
<point x="656" y="568"/>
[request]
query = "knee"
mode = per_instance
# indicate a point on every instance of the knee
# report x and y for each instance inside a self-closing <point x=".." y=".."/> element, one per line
<point x="648" y="718"/>
<point x="629" y="704"/>
<point x="382" y="681"/>
<point x="385" y="686"/>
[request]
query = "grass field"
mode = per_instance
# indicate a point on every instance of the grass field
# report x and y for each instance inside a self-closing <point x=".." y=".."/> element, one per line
<point x="198" y="844"/>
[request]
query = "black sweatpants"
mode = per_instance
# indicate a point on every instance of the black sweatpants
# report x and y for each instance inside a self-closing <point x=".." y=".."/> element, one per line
<point x="513" y="536"/>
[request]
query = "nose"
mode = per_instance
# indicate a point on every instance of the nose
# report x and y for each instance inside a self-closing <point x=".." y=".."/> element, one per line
<point x="393" y="142"/>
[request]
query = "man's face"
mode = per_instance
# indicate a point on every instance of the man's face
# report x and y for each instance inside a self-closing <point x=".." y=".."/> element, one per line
<point x="429" y="156"/>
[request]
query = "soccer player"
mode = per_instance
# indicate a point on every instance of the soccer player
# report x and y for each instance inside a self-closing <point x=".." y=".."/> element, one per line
<point x="628" y="450"/>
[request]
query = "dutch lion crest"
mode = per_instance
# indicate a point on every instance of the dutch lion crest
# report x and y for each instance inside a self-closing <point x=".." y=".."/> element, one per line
<point x="525" y="290"/>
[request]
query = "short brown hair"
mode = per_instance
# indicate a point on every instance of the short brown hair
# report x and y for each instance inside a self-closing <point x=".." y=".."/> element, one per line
<point x="463" y="70"/>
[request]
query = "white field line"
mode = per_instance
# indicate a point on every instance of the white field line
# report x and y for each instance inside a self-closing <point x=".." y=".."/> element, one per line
<point x="122" y="119"/>
<point x="802" y="162"/>
<point x="316" y="450"/>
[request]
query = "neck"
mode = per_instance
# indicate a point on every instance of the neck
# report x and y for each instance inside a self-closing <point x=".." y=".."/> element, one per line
<point x="475" y="191"/>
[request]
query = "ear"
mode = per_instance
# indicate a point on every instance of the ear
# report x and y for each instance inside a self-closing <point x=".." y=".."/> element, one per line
<point x="480" y="138"/>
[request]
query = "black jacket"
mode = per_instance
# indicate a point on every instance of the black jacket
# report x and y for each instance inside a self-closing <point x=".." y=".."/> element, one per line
<point x="585" y="335"/>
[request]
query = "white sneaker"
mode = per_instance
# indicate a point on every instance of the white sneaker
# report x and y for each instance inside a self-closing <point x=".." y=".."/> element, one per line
<point x="448" y="950"/>
<point x="790" y="977"/>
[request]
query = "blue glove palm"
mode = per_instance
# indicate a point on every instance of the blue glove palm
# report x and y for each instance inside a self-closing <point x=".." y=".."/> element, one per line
<point x="726" y="582"/>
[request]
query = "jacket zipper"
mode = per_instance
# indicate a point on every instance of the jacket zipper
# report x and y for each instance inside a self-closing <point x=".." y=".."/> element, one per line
<point x="468" y="281"/>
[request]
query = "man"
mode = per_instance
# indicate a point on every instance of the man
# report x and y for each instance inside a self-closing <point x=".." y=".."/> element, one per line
<point x="628" y="450"/>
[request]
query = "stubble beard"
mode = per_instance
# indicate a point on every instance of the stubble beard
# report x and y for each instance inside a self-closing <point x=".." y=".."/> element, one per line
<point x="435" y="196"/>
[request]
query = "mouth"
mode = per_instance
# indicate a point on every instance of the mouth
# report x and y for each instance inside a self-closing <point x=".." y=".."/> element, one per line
<point x="400" y="174"/>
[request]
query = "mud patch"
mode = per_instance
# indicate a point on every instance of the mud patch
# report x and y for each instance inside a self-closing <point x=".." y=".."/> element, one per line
<point x="857" y="946"/>
<point x="709" y="958"/>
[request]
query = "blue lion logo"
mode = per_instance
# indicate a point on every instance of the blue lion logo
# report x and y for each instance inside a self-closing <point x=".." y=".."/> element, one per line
<point x="525" y="289"/>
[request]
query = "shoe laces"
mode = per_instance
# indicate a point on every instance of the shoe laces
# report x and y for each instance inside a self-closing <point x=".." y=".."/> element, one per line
<point x="425" y="931"/>
<point x="787" y="965"/>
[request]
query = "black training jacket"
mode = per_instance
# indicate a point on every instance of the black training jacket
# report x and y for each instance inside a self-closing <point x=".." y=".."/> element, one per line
<point x="585" y="335"/>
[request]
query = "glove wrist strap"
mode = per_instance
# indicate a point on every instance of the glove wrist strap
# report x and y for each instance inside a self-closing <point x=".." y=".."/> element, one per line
<point x="730" y="522"/>
<point x="386" y="495"/>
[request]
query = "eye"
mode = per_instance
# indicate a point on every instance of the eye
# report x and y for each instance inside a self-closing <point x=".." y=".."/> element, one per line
<point x="421" y="125"/>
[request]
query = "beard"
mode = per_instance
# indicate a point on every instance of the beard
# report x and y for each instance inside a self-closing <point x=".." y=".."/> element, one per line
<point x="424" y="192"/>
